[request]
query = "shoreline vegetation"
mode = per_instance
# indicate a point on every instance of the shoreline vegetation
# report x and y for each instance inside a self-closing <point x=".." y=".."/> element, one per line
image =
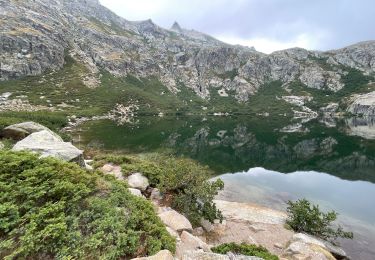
<point x="124" y="206"/>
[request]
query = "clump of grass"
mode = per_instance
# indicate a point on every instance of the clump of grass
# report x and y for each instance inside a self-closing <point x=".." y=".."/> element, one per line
<point x="244" y="249"/>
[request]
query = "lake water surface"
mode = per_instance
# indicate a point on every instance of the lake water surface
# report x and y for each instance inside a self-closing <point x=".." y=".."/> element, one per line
<point x="329" y="162"/>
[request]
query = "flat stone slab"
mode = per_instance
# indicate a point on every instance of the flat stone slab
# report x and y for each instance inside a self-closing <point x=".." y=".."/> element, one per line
<point x="250" y="212"/>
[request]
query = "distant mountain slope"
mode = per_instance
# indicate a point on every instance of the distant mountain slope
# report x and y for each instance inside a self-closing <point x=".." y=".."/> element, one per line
<point x="36" y="37"/>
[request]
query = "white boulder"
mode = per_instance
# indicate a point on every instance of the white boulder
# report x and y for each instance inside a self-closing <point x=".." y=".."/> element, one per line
<point x="138" y="181"/>
<point x="175" y="220"/>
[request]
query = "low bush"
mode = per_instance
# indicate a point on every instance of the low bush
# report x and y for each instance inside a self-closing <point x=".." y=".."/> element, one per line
<point x="244" y="249"/>
<point x="183" y="179"/>
<point x="53" y="209"/>
<point x="304" y="217"/>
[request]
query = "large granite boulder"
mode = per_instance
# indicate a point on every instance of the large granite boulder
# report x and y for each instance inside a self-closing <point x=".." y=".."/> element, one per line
<point x="21" y="130"/>
<point x="314" y="242"/>
<point x="301" y="250"/>
<point x="175" y="220"/>
<point x="138" y="181"/>
<point x="49" y="144"/>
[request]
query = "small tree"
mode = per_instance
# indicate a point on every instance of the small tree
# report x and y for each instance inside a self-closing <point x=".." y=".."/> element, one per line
<point x="304" y="217"/>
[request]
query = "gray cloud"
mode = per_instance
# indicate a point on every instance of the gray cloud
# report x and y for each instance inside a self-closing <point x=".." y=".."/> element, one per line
<point x="317" y="24"/>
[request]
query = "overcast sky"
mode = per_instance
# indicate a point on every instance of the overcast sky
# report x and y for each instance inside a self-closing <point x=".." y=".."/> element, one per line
<point x="268" y="25"/>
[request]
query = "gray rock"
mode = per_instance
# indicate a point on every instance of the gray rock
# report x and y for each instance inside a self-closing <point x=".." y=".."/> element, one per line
<point x="301" y="241"/>
<point x="190" y="243"/>
<point x="207" y="225"/>
<point x="114" y="170"/>
<point x="161" y="255"/>
<point x="88" y="165"/>
<point x="138" y="181"/>
<point x="21" y="130"/>
<point x="242" y="257"/>
<point x="278" y="245"/>
<point x="49" y="144"/>
<point x="173" y="233"/>
<point x="330" y="108"/>
<point x="156" y="195"/>
<point x="175" y="220"/>
<point x="135" y="192"/>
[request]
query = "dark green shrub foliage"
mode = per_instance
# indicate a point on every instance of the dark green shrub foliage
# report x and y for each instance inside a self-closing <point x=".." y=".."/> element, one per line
<point x="52" y="209"/>
<point x="184" y="179"/>
<point x="192" y="193"/>
<point x="244" y="249"/>
<point x="304" y="217"/>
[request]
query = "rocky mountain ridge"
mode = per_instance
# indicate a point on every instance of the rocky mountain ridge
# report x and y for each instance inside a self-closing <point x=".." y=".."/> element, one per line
<point x="37" y="35"/>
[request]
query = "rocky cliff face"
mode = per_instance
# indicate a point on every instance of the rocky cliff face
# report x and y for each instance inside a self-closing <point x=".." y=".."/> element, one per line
<point x="36" y="35"/>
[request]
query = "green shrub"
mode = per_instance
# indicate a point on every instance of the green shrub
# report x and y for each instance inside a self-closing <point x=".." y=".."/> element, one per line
<point x="244" y="249"/>
<point x="304" y="217"/>
<point x="192" y="193"/>
<point x="184" y="179"/>
<point x="54" y="209"/>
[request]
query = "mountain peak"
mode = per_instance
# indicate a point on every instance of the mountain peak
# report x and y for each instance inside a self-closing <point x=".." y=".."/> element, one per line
<point x="176" y="27"/>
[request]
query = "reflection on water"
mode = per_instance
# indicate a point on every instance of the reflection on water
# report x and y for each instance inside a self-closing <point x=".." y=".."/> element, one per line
<point x="363" y="127"/>
<point x="274" y="189"/>
<point x="237" y="144"/>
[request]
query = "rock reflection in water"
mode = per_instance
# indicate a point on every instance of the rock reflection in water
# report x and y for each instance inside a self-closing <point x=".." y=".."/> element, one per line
<point x="235" y="144"/>
<point x="361" y="126"/>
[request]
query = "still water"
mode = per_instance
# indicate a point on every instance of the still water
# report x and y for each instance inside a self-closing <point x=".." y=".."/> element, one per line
<point x="329" y="162"/>
<point x="354" y="200"/>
